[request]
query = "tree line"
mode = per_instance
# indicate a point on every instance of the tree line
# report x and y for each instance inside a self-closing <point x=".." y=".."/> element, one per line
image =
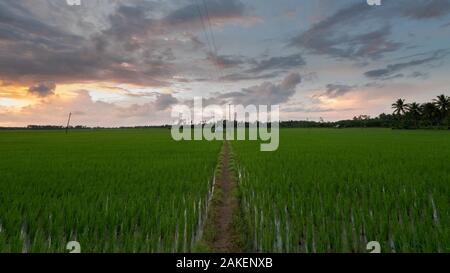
<point x="429" y="115"/>
<point x="426" y="115"/>
<point x="432" y="115"/>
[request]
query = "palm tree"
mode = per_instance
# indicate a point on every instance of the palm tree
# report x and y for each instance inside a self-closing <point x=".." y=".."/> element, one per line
<point x="399" y="107"/>
<point x="430" y="112"/>
<point x="414" y="109"/>
<point x="442" y="102"/>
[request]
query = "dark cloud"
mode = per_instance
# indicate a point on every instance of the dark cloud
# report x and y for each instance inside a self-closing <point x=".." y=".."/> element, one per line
<point x="329" y="37"/>
<point x="315" y="109"/>
<point x="216" y="10"/>
<point x="43" y="89"/>
<point x="19" y="23"/>
<point x="360" y="31"/>
<point x="265" y="94"/>
<point x="246" y="77"/>
<point x="164" y="101"/>
<point x="278" y="63"/>
<point x="417" y="74"/>
<point x="266" y="68"/>
<point x="427" y="9"/>
<point x="131" y="21"/>
<point x="196" y="43"/>
<point x="127" y="48"/>
<point x="291" y="81"/>
<point x="337" y="90"/>
<point x="224" y="61"/>
<point x="134" y="20"/>
<point x="32" y="51"/>
<point x="392" y="70"/>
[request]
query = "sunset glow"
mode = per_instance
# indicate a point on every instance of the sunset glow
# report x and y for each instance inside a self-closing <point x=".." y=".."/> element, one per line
<point x="123" y="63"/>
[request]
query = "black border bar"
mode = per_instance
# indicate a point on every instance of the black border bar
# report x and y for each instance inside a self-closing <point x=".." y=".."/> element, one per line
<point x="226" y="262"/>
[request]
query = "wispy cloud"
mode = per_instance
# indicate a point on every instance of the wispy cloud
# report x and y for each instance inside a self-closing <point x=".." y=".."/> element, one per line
<point x="360" y="31"/>
<point x="392" y="70"/>
<point x="266" y="94"/>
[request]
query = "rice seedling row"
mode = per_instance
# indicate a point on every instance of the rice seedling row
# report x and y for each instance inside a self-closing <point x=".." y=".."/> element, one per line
<point x="112" y="191"/>
<point x="336" y="190"/>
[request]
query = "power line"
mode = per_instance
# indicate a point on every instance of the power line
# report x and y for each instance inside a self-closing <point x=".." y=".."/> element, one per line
<point x="208" y="42"/>
<point x="210" y="26"/>
<point x="211" y="41"/>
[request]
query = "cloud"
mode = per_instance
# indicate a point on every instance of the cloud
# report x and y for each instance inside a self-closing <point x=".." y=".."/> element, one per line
<point x="360" y="31"/>
<point x="278" y="63"/>
<point x="417" y="74"/>
<point x="224" y="61"/>
<point x="146" y="43"/>
<point x="38" y="51"/>
<point x="330" y="42"/>
<point x="123" y="42"/>
<point x="314" y="109"/>
<point x="196" y="43"/>
<point x="392" y="70"/>
<point x="86" y="111"/>
<point x="331" y="36"/>
<point x="336" y="90"/>
<point x="130" y="20"/>
<point x="135" y="20"/>
<point x="291" y="81"/>
<point x="265" y="94"/>
<point x="217" y="11"/>
<point x="245" y="77"/>
<point x="266" y="68"/>
<point x="164" y="101"/>
<point x="427" y="9"/>
<point x="43" y="89"/>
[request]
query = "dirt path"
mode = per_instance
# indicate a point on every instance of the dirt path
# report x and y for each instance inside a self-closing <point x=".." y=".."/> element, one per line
<point x="226" y="239"/>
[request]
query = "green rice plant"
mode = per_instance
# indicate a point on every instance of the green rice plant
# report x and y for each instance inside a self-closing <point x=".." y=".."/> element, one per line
<point x="110" y="190"/>
<point x="328" y="190"/>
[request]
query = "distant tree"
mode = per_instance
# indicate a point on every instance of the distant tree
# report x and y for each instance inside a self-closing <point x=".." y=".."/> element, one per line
<point x="442" y="103"/>
<point x="412" y="115"/>
<point x="399" y="107"/>
<point x="430" y="113"/>
<point x="399" y="110"/>
<point x="415" y="112"/>
<point x="447" y="120"/>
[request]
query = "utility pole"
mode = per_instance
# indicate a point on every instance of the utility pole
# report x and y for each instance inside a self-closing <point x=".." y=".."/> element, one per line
<point x="68" y="123"/>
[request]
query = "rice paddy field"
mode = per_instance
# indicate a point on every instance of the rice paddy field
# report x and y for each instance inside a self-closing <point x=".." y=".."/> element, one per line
<point x="328" y="190"/>
<point x="323" y="190"/>
<point x="112" y="191"/>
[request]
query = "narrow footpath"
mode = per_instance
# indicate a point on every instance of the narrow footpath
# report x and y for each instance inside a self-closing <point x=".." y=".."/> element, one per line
<point x="226" y="237"/>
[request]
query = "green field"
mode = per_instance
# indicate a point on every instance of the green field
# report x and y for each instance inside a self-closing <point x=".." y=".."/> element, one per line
<point x="324" y="190"/>
<point x="113" y="191"/>
<point x="328" y="190"/>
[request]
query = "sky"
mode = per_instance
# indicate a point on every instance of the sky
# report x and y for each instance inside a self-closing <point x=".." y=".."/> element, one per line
<point x="127" y="63"/>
